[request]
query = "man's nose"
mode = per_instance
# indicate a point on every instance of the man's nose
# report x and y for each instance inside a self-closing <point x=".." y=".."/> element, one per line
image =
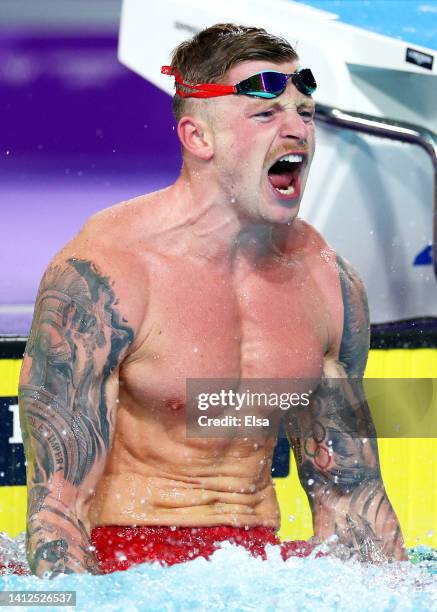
<point x="293" y="125"/>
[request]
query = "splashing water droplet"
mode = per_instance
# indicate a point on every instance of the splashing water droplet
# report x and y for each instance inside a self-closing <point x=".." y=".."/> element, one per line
<point x="120" y="556"/>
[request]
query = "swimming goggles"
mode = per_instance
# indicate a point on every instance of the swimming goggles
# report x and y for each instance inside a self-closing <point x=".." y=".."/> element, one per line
<point x="267" y="84"/>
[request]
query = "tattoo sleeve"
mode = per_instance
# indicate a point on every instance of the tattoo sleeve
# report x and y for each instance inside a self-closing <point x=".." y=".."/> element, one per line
<point x="67" y="410"/>
<point x="336" y="449"/>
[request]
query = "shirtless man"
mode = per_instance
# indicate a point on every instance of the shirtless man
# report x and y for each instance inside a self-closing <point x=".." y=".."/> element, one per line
<point x="213" y="277"/>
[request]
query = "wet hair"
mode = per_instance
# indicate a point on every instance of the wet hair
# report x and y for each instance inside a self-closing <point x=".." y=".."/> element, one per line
<point x="207" y="57"/>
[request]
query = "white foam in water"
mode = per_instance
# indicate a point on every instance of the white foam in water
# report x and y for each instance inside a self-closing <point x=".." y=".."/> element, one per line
<point x="234" y="580"/>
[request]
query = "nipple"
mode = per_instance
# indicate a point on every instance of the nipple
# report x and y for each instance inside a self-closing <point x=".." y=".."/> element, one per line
<point x="174" y="404"/>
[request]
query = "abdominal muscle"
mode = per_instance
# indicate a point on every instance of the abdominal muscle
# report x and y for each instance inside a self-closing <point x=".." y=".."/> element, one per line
<point x="183" y="482"/>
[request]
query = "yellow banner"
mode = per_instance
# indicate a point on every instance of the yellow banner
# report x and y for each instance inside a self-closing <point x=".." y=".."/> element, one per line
<point x="409" y="466"/>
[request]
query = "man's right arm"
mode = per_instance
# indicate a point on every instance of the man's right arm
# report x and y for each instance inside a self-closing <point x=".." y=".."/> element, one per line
<point x="68" y="395"/>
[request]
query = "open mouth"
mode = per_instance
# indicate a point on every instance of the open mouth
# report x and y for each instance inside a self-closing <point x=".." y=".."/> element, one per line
<point x="284" y="175"/>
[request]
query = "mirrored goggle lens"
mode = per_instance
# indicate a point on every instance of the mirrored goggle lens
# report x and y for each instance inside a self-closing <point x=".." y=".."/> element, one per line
<point x="305" y="82"/>
<point x="264" y="84"/>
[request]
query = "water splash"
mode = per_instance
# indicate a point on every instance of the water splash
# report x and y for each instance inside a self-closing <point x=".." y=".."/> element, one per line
<point x="13" y="549"/>
<point x="234" y="580"/>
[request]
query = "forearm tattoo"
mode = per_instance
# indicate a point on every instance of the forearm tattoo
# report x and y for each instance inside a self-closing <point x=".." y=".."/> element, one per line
<point x="335" y="445"/>
<point x="77" y="339"/>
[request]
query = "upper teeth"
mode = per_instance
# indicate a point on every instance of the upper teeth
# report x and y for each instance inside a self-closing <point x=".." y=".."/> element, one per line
<point x="291" y="158"/>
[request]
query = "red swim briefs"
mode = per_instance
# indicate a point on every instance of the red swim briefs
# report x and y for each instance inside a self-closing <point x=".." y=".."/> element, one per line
<point x="118" y="547"/>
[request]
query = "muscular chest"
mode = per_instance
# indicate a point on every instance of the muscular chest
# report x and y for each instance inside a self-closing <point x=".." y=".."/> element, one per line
<point x="206" y="323"/>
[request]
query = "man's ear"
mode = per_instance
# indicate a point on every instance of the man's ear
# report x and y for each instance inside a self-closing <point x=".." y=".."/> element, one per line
<point x="196" y="137"/>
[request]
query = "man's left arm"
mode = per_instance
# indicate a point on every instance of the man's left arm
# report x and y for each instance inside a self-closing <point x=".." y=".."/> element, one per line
<point x="335" y="445"/>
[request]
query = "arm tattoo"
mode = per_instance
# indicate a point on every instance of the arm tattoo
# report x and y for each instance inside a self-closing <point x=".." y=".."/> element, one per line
<point x="77" y="340"/>
<point x="335" y="445"/>
<point x="356" y="326"/>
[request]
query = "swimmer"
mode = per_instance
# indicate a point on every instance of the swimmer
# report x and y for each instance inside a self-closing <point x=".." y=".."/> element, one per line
<point x="216" y="277"/>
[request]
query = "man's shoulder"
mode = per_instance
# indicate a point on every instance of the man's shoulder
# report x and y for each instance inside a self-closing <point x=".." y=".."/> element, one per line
<point x="338" y="281"/>
<point x="107" y="253"/>
<point x="308" y="239"/>
<point x="122" y="223"/>
<point x="107" y="237"/>
<point x="117" y="236"/>
<point x="304" y="239"/>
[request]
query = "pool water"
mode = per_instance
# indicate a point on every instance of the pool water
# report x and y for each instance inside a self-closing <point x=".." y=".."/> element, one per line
<point x="414" y="21"/>
<point x="234" y="580"/>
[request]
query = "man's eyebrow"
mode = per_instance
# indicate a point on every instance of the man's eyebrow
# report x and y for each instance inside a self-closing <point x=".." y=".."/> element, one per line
<point x="260" y="104"/>
<point x="308" y="103"/>
<point x="263" y="104"/>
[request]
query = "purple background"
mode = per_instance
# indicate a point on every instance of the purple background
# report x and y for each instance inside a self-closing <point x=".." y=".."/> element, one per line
<point x="78" y="132"/>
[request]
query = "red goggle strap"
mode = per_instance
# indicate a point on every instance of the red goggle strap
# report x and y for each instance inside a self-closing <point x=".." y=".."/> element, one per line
<point x="204" y="90"/>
